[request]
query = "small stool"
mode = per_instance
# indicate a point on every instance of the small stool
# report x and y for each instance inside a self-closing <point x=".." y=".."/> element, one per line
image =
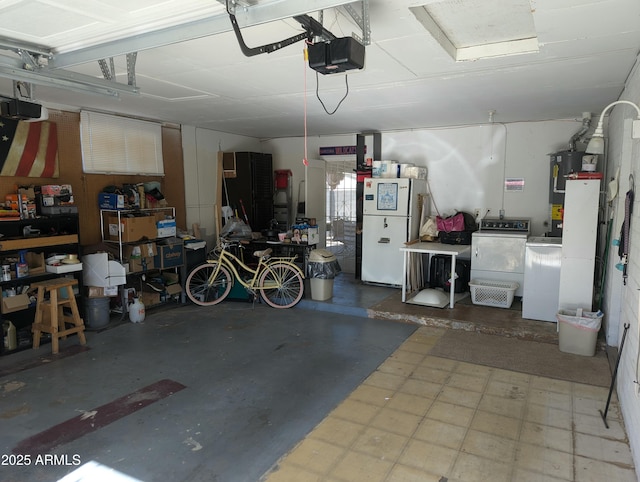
<point x="50" y="316"/>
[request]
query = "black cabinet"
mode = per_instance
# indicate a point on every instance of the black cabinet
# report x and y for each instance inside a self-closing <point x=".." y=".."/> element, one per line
<point x="251" y="186"/>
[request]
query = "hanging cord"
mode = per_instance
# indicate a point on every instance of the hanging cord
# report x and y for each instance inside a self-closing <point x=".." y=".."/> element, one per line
<point x="346" y="83"/>
<point x="305" y="160"/>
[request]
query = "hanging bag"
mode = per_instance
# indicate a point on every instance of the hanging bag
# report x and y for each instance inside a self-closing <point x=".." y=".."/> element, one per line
<point x="450" y="224"/>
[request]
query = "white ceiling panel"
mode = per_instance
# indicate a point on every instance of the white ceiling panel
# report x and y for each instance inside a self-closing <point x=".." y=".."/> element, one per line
<point x="587" y="49"/>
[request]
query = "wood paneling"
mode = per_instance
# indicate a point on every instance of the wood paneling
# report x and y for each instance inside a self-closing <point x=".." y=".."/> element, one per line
<point x="87" y="186"/>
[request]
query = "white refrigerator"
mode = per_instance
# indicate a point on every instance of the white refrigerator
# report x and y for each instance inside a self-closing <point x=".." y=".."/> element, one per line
<point x="391" y="217"/>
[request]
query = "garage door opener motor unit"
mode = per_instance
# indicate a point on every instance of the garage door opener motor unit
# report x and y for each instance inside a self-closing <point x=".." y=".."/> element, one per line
<point x="337" y="55"/>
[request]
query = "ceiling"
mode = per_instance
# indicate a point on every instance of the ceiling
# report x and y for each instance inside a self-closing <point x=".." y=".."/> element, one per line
<point x="190" y="70"/>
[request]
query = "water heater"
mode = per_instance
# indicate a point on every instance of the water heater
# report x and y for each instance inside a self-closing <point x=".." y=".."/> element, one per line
<point x="562" y="164"/>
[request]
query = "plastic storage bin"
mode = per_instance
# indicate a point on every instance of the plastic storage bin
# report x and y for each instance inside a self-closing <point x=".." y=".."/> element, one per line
<point x="578" y="331"/>
<point x="498" y="294"/>
<point x="322" y="268"/>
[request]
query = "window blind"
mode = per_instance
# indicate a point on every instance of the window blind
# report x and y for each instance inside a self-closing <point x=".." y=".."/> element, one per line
<point x="120" y="145"/>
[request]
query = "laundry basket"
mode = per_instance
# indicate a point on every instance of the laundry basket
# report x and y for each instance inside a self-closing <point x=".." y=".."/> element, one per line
<point x="498" y="294"/>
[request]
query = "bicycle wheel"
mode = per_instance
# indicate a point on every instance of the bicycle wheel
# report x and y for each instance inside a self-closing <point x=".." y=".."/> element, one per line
<point x="281" y="285"/>
<point x="205" y="290"/>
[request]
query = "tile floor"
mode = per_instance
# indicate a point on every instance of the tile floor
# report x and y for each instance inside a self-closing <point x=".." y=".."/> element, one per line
<point x="415" y="417"/>
<point x="423" y="418"/>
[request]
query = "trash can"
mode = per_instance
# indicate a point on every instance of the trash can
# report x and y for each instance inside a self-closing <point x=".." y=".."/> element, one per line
<point x="97" y="313"/>
<point x="578" y="331"/>
<point x="322" y="269"/>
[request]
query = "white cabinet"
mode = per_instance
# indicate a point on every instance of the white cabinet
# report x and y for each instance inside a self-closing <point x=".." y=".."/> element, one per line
<point x="579" y="233"/>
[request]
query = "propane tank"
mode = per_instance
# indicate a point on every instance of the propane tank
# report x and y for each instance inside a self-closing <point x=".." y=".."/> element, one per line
<point x="136" y="311"/>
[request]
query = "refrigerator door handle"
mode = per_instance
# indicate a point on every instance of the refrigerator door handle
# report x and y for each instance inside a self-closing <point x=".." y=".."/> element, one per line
<point x="385" y="223"/>
<point x="384" y="240"/>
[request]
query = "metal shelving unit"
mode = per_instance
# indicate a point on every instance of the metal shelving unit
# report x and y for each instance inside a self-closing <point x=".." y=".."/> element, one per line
<point x="119" y="213"/>
<point x="105" y="214"/>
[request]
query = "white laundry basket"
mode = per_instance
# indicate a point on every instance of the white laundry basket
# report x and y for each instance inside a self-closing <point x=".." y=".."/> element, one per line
<point x="493" y="293"/>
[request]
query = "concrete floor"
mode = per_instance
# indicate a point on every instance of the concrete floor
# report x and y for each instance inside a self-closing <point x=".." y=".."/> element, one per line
<point x="242" y="393"/>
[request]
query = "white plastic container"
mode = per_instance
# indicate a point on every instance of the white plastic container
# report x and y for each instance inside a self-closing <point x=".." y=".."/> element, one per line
<point x="493" y="293"/>
<point x="376" y="169"/>
<point x="136" y="311"/>
<point x="10" y="337"/>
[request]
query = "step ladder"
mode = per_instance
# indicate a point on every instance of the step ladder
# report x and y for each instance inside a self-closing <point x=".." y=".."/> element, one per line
<point x="282" y="199"/>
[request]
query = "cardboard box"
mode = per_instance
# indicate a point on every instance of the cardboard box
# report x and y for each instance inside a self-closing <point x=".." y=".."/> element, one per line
<point x="150" y="298"/>
<point x="140" y="256"/>
<point x="141" y="264"/>
<point x="132" y="229"/>
<point x="99" y="270"/>
<point x="173" y="289"/>
<point x="29" y="192"/>
<point x="101" y="291"/>
<point x="166" y="228"/>
<point x="142" y="250"/>
<point x="35" y="262"/>
<point x="170" y="255"/>
<point x="170" y="278"/>
<point x="107" y="200"/>
<point x="15" y="303"/>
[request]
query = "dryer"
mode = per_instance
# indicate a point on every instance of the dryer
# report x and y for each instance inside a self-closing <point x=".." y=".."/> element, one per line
<point x="498" y="250"/>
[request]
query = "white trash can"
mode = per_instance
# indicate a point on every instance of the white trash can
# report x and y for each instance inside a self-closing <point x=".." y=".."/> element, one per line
<point x="578" y="331"/>
<point x="322" y="268"/>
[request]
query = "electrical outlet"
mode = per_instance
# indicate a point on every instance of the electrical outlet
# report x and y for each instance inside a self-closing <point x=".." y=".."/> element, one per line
<point x="476" y="213"/>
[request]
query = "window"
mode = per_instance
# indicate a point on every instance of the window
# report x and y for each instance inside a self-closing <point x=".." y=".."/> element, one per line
<point x="119" y="145"/>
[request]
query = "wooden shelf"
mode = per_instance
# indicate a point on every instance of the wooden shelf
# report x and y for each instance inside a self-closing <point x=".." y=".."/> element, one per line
<point x="39" y="242"/>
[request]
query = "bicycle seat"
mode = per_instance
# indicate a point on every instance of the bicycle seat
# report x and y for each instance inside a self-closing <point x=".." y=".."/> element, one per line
<point x="263" y="253"/>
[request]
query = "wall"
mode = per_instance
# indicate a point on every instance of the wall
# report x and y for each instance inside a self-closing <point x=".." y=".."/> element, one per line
<point x="466" y="165"/>
<point x="201" y="183"/>
<point x="465" y="173"/>
<point x="87" y="186"/>
<point x="621" y="301"/>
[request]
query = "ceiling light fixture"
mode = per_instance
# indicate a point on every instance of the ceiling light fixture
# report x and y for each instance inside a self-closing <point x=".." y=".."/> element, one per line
<point x="596" y="144"/>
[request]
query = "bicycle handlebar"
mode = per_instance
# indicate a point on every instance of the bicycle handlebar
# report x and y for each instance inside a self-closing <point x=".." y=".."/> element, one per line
<point x="228" y="243"/>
